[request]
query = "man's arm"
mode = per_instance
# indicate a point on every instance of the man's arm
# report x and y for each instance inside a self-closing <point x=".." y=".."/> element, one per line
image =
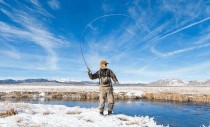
<point x="113" y="76"/>
<point x="93" y="76"/>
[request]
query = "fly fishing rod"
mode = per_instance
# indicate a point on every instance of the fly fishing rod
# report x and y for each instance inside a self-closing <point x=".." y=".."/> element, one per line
<point x="81" y="50"/>
<point x="86" y="27"/>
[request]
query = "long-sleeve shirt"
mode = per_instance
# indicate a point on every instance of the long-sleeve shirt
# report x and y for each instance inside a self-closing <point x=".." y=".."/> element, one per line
<point x="101" y="73"/>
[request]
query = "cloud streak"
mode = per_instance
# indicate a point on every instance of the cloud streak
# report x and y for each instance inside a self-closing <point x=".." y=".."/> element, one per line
<point x="181" y="29"/>
<point x="54" y="4"/>
<point x="138" y="38"/>
<point x="32" y="30"/>
<point x="178" y="51"/>
<point x="186" y="72"/>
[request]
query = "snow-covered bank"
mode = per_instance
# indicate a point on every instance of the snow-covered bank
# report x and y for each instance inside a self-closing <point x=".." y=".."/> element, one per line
<point x="61" y="116"/>
<point x="117" y="88"/>
<point x="36" y="92"/>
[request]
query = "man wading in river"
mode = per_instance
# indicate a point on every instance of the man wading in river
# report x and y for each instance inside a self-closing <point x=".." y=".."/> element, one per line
<point x="105" y="86"/>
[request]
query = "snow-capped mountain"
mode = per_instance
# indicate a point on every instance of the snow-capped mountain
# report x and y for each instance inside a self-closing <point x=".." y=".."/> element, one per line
<point x="11" y="81"/>
<point x="207" y="82"/>
<point x="168" y="82"/>
<point x="178" y="82"/>
<point x="62" y="81"/>
<point x="165" y="82"/>
<point x="195" y="83"/>
<point x="199" y="83"/>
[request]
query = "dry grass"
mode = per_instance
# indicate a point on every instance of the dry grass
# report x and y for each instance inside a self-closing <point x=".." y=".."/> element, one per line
<point x="177" y="97"/>
<point x="7" y="113"/>
<point x="88" y="120"/>
<point x="123" y="119"/>
<point x="183" y="94"/>
<point x="73" y="112"/>
<point x="132" y="123"/>
<point x="46" y="113"/>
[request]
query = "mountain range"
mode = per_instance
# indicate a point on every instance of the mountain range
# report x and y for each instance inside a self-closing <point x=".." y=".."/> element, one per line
<point x="66" y="82"/>
<point x="163" y="83"/>
<point x="178" y="82"/>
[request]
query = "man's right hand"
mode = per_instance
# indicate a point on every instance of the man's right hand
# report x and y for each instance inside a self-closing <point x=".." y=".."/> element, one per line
<point x="88" y="70"/>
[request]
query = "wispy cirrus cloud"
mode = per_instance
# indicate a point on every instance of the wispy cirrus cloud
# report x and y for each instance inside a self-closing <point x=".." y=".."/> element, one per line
<point x="181" y="29"/>
<point x="32" y="29"/>
<point x="186" y="72"/>
<point x="178" y="51"/>
<point x="201" y="42"/>
<point x="142" y="40"/>
<point x="54" y="4"/>
<point x="149" y="27"/>
<point x="11" y="52"/>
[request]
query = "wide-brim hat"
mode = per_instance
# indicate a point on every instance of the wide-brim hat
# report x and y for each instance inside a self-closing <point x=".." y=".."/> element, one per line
<point x="104" y="62"/>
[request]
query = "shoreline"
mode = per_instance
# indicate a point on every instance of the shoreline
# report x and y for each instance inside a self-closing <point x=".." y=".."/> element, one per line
<point x="47" y="92"/>
<point x="40" y="115"/>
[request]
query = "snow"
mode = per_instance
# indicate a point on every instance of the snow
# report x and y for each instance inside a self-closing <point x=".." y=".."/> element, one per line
<point x="130" y="92"/>
<point x="42" y="94"/>
<point x="168" y="82"/>
<point x="137" y="90"/>
<point x="61" y="116"/>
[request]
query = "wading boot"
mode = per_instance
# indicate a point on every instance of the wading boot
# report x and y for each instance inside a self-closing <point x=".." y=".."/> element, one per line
<point x="109" y="112"/>
<point x="101" y="112"/>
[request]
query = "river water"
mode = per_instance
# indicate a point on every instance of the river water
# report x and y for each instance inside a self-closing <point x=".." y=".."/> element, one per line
<point x="165" y="113"/>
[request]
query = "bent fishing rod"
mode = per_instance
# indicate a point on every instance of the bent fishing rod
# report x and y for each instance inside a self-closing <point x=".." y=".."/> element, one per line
<point x="81" y="50"/>
<point x="86" y="27"/>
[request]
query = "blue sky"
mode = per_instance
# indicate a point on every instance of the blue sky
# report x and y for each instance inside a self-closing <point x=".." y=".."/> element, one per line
<point x="142" y="40"/>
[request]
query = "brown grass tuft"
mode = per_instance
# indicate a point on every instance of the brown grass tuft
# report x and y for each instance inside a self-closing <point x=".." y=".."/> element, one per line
<point x="7" y="113"/>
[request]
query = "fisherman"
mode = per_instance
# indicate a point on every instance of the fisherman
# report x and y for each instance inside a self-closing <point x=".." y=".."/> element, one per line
<point x="105" y="86"/>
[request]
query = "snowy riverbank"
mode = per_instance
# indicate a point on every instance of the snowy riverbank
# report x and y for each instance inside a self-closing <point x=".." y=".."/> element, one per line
<point x="37" y="115"/>
<point x="117" y="88"/>
<point x="47" y="92"/>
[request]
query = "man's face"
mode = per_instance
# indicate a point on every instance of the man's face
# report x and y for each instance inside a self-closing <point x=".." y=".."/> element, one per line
<point x="103" y="66"/>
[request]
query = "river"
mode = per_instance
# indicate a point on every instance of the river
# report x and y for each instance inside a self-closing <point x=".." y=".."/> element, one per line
<point x="167" y="113"/>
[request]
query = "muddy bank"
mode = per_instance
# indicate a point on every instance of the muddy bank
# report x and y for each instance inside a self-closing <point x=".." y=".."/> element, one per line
<point x="82" y="96"/>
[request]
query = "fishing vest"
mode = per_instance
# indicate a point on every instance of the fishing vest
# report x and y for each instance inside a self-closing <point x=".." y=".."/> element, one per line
<point x="104" y="78"/>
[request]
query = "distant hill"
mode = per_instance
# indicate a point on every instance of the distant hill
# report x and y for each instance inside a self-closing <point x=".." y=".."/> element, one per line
<point x="178" y="82"/>
<point x="167" y="82"/>
<point x="11" y="81"/>
<point x="161" y="83"/>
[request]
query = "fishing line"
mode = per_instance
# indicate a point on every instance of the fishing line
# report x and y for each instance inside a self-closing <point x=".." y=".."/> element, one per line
<point x="87" y="26"/>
